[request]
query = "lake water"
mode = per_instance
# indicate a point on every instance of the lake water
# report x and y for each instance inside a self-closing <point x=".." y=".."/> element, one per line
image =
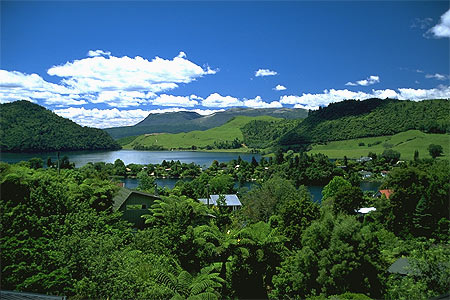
<point x="80" y="158"/>
<point x="314" y="190"/>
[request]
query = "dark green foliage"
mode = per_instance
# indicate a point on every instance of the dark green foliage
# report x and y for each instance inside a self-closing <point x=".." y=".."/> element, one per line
<point x="391" y="156"/>
<point x="419" y="205"/>
<point x="435" y="150"/>
<point x="337" y="256"/>
<point x="28" y="127"/>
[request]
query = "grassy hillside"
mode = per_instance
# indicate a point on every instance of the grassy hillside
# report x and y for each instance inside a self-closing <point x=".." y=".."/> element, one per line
<point x="405" y="143"/>
<point x="373" y="117"/>
<point x="28" y="127"/>
<point x="226" y="133"/>
<point x="176" y="122"/>
<point x="353" y="119"/>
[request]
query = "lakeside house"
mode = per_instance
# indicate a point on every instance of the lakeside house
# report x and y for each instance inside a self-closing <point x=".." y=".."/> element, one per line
<point x="133" y="204"/>
<point x="365" y="174"/>
<point x="231" y="201"/>
<point x="387" y="193"/>
<point x="364" y="159"/>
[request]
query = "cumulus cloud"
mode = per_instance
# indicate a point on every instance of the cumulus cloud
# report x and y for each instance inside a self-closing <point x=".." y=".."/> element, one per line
<point x="98" y="73"/>
<point x="93" y="53"/>
<point x="279" y="87"/>
<point x="365" y="82"/>
<point x="442" y="29"/>
<point x="104" y="118"/>
<point x="32" y="87"/>
<point x="437" y="76"/>
<point x="314" y="101"/>
<point x="104" y="79"/>
<point x="171" y="100"/>
<point x="257" y="102"/>
<point x="265" y="72"/>
<point x="217" y="100"/>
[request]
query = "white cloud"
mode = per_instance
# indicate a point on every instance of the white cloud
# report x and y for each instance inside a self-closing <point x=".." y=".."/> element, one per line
<point x="217" y="100"/>
<point x="365" y="82"/>
<point x="123" y="98"/>
<point x="279" y="88"/>
<point x="422" y="23"/>
<point x="104" y="118"/>
<point x="93" y="53"/>
<point x="313" y="101"/>
<point x="265" y="72"/>
<point x="32" y="87"/>
<point x="443" y="28"/>
<point x="171" y="100"/>
<point x="97" y="74"/>
<point x="437" y="76"/>
<point x="257" y="102"/>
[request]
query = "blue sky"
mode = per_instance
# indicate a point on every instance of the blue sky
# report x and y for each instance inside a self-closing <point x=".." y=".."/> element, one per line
<point x="107" y="64"/>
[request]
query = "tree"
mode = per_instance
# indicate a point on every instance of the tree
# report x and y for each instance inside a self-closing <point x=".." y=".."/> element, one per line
<point x="416" y="155"/>
<point x="390" y="155"/>
<point x="435" y="150"/>
<point x="36" y="163"/>
<point x="146" y="183"/>
<point x="333" y="186"/>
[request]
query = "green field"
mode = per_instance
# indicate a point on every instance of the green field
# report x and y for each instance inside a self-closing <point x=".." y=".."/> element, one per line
<point x="405" y="143"/>
<point x="227" y="132"/>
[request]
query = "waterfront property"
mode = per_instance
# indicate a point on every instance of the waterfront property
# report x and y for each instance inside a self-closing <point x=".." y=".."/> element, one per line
<point x="134" y="204"/>
<point x="231" y="201"/>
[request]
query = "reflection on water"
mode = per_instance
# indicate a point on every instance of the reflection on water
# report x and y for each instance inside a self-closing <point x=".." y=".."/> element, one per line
<point x="80" y="158"/>
<point x="314" y="190"/>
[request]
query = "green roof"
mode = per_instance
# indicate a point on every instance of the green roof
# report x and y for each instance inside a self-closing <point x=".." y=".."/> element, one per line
<point x="123" y="194"/>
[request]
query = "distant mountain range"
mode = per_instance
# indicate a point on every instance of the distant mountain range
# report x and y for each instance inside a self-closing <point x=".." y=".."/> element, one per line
<point x="176" y="122"/>
<point x="28" y="127"/>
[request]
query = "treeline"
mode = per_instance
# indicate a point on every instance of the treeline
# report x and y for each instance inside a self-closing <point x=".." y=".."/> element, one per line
<point x="353" y="119"/>
<point x="28" y="127"/>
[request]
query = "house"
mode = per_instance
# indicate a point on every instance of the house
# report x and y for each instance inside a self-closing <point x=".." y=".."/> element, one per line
<point x="10" y="295"/>
<point x="231" y="201"/>
<point x="364" y="159"/>
<point x="387" y="193"/>
<point x="400" y="266"/>
<point x="133" y="204"/>
<point x="365" y="174"/>
<point x="365" y="210"/>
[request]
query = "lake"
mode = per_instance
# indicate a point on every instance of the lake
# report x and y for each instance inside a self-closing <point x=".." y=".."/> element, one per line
<point x="314" y="190"/>
<point x="80" y="158"/>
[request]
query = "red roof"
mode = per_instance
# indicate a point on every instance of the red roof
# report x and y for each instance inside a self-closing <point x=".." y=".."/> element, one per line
<point x="387" y="193"/>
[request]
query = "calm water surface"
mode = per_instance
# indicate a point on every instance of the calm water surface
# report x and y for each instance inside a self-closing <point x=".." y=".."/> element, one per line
<point x="80" y="158"/>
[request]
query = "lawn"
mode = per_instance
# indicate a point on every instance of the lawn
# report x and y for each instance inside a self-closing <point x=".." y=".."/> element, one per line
<point x="227" y="132"/>
<point x="405" y="143"/>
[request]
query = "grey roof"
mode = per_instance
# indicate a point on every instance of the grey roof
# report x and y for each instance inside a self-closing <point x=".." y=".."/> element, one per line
<point x="123" y="194"/>
<point x="230" y="200"/>
<point x="10" y="295"/>
<point x="400" y="266"/>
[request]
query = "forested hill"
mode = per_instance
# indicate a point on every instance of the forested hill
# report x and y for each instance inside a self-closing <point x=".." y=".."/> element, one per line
<point x="177" y="122"/>
<point x="28" y="127"/>
<point x="353" y="119"/>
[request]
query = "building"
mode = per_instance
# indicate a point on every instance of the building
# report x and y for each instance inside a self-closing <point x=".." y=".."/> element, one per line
<point x="387" y="193"/>
<point x="11" y="295"/>
<point x="133" y="204"/>
<point x="231" y="201"/>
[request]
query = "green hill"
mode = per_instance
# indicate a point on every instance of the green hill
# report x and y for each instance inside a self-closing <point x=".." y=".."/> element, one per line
<point x="356" y="119"/>
<point x="227" y="136"/>
<point x="28" y="127"/>
<point x="176" y="122"/>
<point x="405" y="142"/>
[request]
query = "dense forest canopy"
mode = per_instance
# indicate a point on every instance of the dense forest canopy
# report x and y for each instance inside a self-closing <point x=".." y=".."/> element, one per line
<point x="28" y="127"/>
<point x="352" y="119"/>
<point x="60" y="234"/>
